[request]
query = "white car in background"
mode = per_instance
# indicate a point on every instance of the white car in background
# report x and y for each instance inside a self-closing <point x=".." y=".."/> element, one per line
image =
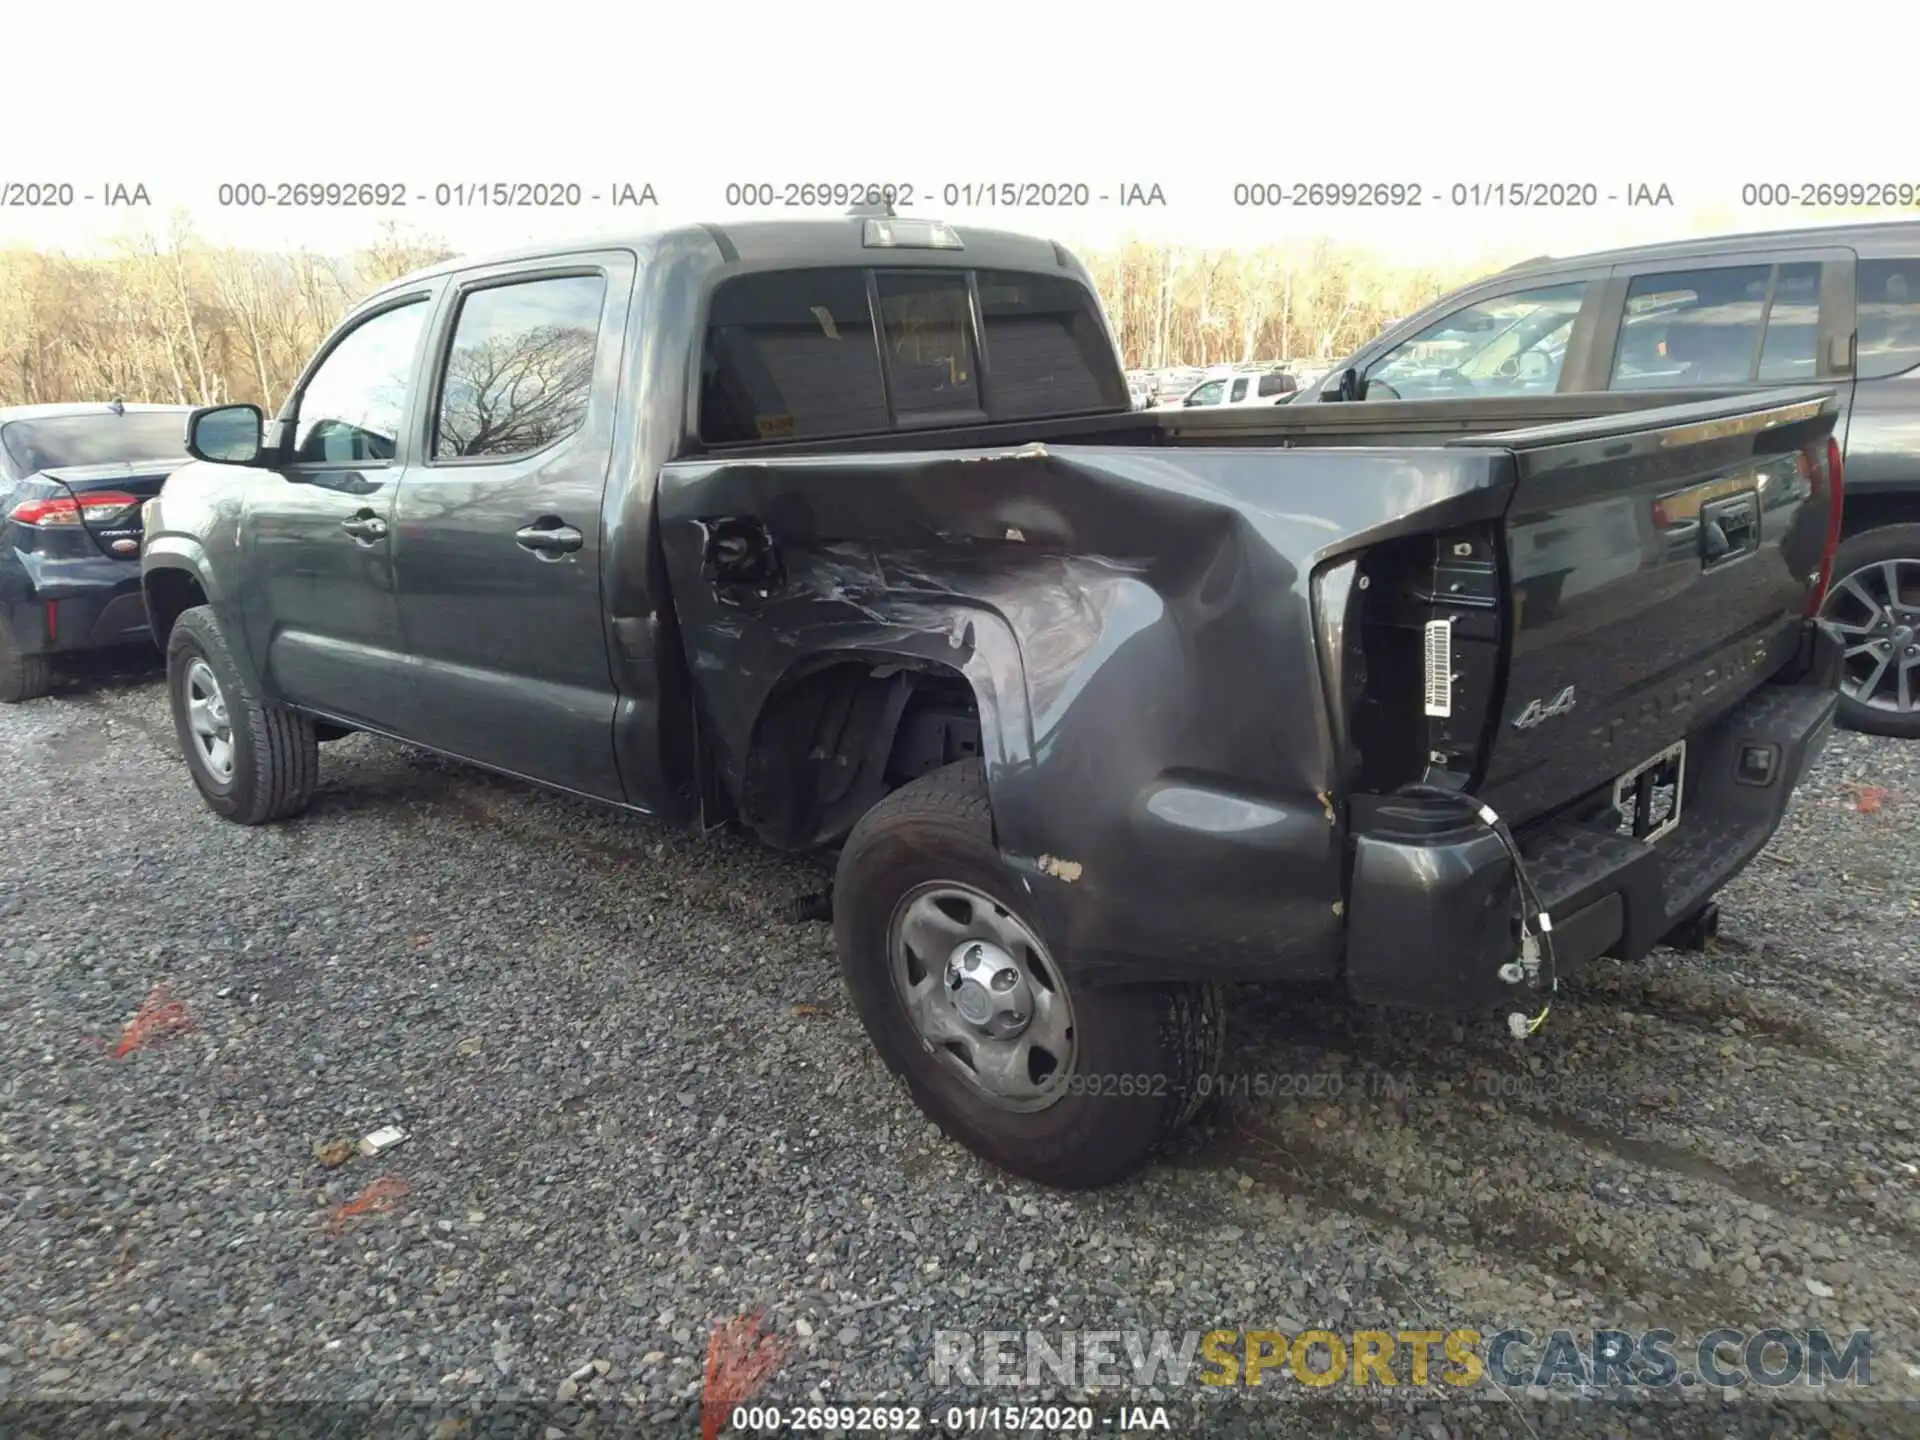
<point x="1242" y="388"/>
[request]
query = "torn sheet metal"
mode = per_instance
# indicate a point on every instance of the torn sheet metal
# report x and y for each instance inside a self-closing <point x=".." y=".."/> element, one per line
<point x="1142" y="655"/>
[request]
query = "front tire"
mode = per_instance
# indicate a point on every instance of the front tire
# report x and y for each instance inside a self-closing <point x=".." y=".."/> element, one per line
<point x="1875" y="604"/>
<point x="251" y="762"/>
<point x="1056" y="1081"/>
<point x="22" y="677"/>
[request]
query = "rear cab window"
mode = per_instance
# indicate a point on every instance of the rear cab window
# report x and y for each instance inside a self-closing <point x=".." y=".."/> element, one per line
<point x="799" y="354"/>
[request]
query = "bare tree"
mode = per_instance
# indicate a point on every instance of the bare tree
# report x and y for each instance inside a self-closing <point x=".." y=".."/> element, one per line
<point x="520" y="392"/>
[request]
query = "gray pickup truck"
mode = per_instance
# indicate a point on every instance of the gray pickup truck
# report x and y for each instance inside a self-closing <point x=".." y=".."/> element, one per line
<point x="845" y="530"/>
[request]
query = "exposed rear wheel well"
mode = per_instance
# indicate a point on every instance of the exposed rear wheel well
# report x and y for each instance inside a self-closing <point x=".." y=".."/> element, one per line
<point x="831" y="743"/>
<point x="170" y="594"/>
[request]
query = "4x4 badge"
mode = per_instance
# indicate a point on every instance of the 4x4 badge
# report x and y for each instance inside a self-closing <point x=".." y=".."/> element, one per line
<point x="1538" y="710"/>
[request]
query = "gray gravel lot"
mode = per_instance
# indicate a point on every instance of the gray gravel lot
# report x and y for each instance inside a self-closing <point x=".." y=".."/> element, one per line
<point x="639" y="1104"/>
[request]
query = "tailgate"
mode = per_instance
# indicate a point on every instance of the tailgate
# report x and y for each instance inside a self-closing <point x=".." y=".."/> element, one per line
<point x="107" y="499"/>
<point x="1659" y="567"/>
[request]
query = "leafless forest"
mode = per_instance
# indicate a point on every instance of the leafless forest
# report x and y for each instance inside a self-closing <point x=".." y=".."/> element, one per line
<point x="173" y="318"/>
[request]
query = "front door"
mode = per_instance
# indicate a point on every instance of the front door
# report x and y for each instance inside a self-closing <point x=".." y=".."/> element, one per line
<point x="318" y="602"/>
<point x="497" y="533"/>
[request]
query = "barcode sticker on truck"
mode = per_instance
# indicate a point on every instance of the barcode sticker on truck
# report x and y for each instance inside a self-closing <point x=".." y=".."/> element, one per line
<point x="1439" y="667"/>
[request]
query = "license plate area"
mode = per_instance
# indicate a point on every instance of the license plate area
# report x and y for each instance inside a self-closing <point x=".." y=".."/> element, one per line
<point x="1648" y="797"/>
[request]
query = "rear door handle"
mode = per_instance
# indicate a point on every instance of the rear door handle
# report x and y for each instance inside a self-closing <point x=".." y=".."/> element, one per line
<point x="365" y="528"/>
<point x="549" y="539"/>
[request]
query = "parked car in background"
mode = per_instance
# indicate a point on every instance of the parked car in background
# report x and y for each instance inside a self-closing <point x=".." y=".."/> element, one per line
<point x="813" y="526"/>
<point x="72" y="481"/>
<point x="1241" y="388"/>
<point x="1837" y="306"/>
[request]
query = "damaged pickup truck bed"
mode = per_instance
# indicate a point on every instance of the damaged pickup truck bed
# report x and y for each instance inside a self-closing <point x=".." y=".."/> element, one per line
<point x="845" y="530"/>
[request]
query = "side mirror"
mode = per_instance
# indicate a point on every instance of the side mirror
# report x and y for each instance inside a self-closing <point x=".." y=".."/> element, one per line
<point x="226" y="434"/>
<point x="1349" y="388"/>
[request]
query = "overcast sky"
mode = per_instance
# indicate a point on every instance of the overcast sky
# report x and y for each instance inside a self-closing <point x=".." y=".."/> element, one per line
<point x="1194" y="99"/>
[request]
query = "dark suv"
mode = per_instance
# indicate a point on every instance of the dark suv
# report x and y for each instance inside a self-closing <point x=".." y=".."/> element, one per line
<point x="1837" y="306"/>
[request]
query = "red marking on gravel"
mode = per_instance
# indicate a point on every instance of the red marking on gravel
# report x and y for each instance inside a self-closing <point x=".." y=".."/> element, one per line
<point x="740" y="1357"/>
<point x="376" y="1199"/>
<point x="161" y="1015"/>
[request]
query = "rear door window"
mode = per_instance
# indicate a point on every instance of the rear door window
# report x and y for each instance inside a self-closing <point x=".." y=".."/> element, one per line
<point x="1239" y="391"/>
<point x="1889" y="317"/>
<point x="520" y="371"/>
<point x="1690" y="327"/>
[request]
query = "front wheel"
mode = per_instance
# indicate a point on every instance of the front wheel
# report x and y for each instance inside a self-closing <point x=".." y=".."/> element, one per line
<point x="252" y="762"/>
<point x="1066" y="1084"/>
<point x="1875" y="605"/>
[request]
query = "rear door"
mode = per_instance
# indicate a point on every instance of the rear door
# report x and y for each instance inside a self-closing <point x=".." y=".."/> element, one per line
<point x="1657" y="575"/>
<point x="498" y="534"/>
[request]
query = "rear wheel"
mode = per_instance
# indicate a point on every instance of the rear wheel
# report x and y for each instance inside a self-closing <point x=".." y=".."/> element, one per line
<point x="1063" y="1083"/>
<point x="1875" y="604"/>
<point x="22" y="677"/>
<point x="251" y="762"/>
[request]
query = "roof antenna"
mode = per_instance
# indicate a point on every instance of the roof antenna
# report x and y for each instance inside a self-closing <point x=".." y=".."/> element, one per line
<point x="878" y="206"/>
<point x="118" y="406"/>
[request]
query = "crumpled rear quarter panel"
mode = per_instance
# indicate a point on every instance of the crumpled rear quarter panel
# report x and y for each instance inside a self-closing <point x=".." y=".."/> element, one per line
<point x="1137" y="629"/>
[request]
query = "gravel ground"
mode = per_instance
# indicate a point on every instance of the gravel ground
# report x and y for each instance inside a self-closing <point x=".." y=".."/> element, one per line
<point x="638" y="1104"/>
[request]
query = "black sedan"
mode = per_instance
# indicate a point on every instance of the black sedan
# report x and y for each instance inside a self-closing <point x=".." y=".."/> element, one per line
<point x="72" y="480"/>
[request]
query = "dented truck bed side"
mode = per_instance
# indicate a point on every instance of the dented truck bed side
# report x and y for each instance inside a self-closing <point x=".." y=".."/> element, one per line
<point x="1137" y="628"/>
<point x="1155" y="641"/>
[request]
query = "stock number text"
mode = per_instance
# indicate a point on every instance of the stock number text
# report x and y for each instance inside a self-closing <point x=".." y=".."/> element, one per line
<point x="1315" y="194"/>
<point x="312" y="194"/>
<point x="764" y="194"/>
<point x="1820" y="192"/>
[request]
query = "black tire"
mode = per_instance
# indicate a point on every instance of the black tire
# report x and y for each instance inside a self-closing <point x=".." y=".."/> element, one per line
<point x="1873" y="547"/>
<point x="22" y="677"/>
<point x="276" y="759"/>
<point x="1162" y="1038"/>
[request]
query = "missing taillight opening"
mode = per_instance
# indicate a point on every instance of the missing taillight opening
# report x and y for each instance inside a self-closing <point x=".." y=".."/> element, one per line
<point x="1426" y="628"/>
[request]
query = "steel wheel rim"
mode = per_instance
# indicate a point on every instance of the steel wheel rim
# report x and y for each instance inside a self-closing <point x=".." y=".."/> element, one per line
<point x="1876" y="609"/>
<point x="207" y="721"/>
<point x="950" y="948"/>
